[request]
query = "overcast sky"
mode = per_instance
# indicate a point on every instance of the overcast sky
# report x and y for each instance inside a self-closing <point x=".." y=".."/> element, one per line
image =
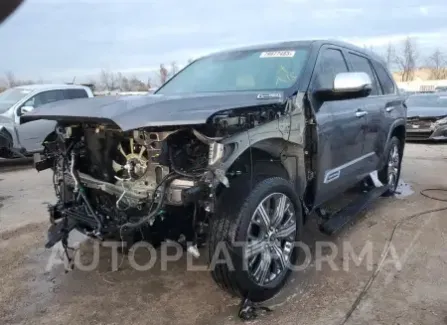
<point x="59" y="39"/>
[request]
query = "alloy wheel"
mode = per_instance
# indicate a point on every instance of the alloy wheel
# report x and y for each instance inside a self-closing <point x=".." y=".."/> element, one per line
<point x="393" y="166"/>
<point x="271" y="236"/>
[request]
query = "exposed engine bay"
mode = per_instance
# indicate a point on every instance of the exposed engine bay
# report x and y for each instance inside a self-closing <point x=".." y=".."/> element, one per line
<point x="108" y="181"/>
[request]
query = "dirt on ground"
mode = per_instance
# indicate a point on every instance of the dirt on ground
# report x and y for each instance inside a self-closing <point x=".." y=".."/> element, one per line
<point x="411" y="287"/>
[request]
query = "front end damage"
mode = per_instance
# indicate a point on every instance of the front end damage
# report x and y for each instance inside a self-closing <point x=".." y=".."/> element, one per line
<point x="167" y="180"/>
<point x="426" y="128"/>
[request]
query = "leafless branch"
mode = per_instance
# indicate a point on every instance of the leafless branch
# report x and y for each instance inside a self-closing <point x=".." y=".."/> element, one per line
<point x="11" y="79"/>
<point x="174" y="68"/>
<point x="406" y="60"/>
<point x="437" y="63"/>
<point x="108" y="80"/>
<point x="390" y="55"/>
<point x="163" y="74"/>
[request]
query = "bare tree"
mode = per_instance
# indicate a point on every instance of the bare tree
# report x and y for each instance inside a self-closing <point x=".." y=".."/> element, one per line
<point x="390" y="55"/>
<point x="3" y="84"/>
<point x="122" y="82"/>
<point x="11" y="79"/>
<point x="136" y="84"/>
<point x="108" y="80"/>
<point x="407" y="59"/>
<point x="125" y="84"/>
<point x="149" y="83"/>
<point x="174" y="68"/>
<point x="437" y="63"/>
<point x="163" y="74"/>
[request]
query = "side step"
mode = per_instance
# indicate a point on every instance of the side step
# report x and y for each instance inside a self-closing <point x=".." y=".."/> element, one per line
<point x="341" y="218"/>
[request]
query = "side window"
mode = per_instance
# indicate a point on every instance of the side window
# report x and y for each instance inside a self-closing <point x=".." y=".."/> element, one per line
<point x="330" y="63"/>
<point x="385" y="79"/>
<point x="48" y="97"/>
<point x="361" y="64"/>
<point x="75" y="93"/>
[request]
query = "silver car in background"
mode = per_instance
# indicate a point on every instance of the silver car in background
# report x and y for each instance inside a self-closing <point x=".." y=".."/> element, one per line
<point x="427" y="117"/>
<point x="19" y="140"/>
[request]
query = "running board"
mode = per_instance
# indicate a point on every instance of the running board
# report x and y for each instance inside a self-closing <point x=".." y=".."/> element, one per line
<point x="341" y="218"/>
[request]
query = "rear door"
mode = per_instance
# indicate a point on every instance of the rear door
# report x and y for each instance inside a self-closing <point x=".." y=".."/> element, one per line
<point x="392" y="107"/>
<point x="374" y="106"/>
<point x="340" y="129"/>
<point x="32" y="134"/>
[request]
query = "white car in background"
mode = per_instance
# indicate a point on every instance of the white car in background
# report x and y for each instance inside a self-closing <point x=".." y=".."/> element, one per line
<point x="18" y="140"/>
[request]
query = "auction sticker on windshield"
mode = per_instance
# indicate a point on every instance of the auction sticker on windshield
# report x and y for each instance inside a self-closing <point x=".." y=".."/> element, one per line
<point x="278" y="54"/>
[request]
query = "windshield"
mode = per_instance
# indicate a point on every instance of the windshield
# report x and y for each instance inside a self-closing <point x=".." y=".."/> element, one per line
<point x="11" y="96"/>
<point x="427" y="101"/>
<point x="248" y="70"/>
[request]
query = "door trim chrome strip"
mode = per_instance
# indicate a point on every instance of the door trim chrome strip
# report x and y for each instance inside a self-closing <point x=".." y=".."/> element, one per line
<point x="333" y="174"/>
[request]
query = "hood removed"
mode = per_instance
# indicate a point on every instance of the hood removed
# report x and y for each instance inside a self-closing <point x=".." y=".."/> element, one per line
<point x="151" y="110"/>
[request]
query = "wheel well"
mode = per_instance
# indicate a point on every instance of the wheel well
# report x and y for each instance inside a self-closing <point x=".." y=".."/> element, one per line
<point x="265" y="162"/>
<point x="6" y="143"/>
<point x="50" y="137"/>
<point x="399" y="132"/>
<point x="253" y="155"/>
<point x="4" y="134"/>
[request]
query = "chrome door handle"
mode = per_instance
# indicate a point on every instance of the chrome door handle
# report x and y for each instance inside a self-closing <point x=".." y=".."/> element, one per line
<point x="360" y="113"/>
<point x="389" y="109"/>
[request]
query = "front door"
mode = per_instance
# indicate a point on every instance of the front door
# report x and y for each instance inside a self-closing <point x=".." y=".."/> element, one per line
<point x="341" y="125"/>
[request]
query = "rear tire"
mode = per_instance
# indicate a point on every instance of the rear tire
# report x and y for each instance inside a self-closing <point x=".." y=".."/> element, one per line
<point x="390" y="173"/>
<point x="236" y="221"/>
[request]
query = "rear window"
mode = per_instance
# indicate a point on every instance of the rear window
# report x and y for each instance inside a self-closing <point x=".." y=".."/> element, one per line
<point x="361" y="64"/>
<point x="384" y="78"/>
<point x="75" y="93"/>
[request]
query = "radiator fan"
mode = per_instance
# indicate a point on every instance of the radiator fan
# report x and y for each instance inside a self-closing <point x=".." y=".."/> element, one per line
<point x="131" y="160"/>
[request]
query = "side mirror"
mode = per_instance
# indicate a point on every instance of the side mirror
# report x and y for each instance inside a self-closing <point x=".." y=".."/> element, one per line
<point x="352" y="82"/>
<point x="348" y="85"/>
<point x="26" y="109"/>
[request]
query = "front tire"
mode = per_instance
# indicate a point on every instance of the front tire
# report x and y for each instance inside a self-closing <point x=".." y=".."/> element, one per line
<point x="390" y="173"/>
<point x="6" y="144"/>
<point x="258" y="228"/>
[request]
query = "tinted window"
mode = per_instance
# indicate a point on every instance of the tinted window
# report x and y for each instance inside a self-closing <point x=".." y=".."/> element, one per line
<point x="385" y="79"/>
<point x="361" y="64"/>
<point x="75" y="93"/>
<point x="245" y="70"/>
<point x="45" y="98"/>
<point x="330" y="63"/>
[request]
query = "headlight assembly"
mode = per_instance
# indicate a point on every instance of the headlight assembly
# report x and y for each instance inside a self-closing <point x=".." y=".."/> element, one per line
<point x="441" y="121"/>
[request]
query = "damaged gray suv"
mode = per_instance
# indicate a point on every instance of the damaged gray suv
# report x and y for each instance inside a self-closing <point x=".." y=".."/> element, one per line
<point x="239" y="148"/>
